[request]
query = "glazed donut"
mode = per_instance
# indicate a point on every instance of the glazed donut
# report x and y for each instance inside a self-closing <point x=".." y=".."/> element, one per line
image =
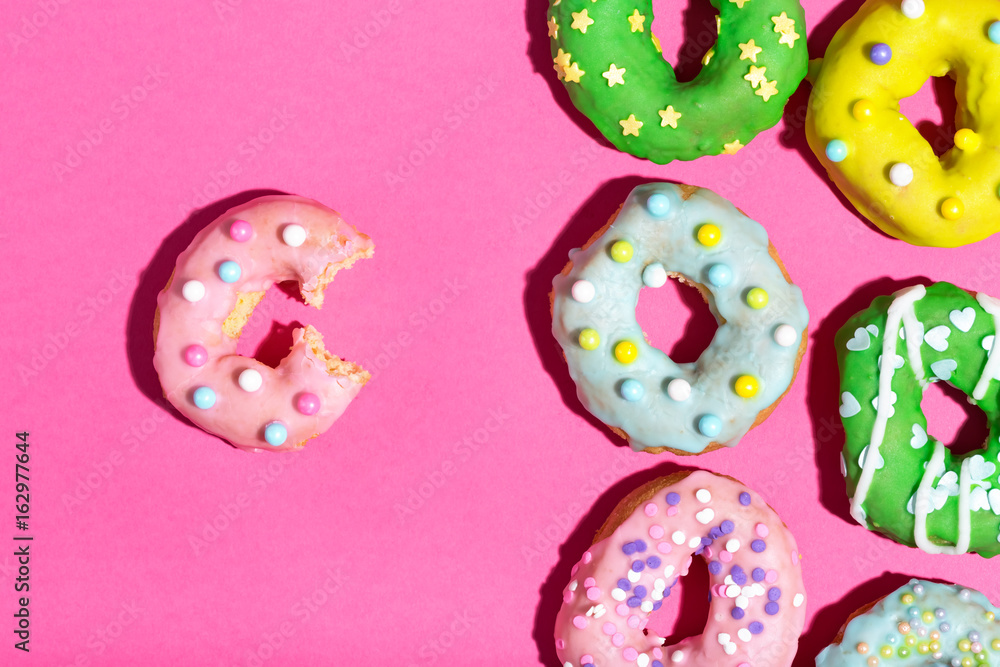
<point x="610" y="62"/>
<point x="665" y="230"/>
<point x="218" y="281"/>
<point x="648" y="542"/>
<point x="903" y="482"/>
<point x="875" y="155"/>
<point x="917" y="623"/>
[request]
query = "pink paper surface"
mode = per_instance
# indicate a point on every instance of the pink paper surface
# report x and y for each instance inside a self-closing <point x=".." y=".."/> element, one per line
<point x="436" y="523"/>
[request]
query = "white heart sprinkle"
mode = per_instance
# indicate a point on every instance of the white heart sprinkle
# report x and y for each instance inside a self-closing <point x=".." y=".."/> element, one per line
<point x="978" y="499"/>
<point x="897" y="361"/>
<point x="705" y="516"/>
<point x="987" y="343"/>
<point x="994" y="498"/>
<point x="980" y="468"/>
<point x="849" y="405"/>
<point x="919" y="438"/>
<point x="937" y="338"/>
<point x="944" y="368"/>
<point x="963" y="319"/>
<point x="861" y="341"/>
<point x="878" y="462"/>
<point x="872" y="329"/>
<point x="729" y="648"/>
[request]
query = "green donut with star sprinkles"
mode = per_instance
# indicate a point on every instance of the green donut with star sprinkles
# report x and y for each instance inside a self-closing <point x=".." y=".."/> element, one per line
<point x="607" y="56"/>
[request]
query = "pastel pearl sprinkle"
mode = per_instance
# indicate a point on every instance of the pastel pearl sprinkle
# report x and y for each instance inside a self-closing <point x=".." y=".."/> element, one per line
<point x="589" y="339"/>
<point x="583" y="291"/>
<point x="912" y="9"/>
<point x="901" y="174"/>
<point x="967" y="140"/>
<point x="250" y="380"/>
<point x="863" y="110"/>
<point x="994" y="32"/>
<point x="195" y="355"/>
<point x="632" y="390"/>
<point x="720" y="275"/>
<point x="710" y="425"/>
<point x="679" y="389"/>
<point x="193" y="291"/>
<point x="275" y="434"/>
<point x="307" y="403"/>
<point x="836" y="150"/>
<point x="746" y="386"/>
<point x="229" y="271"/>
<point x="621" y="251"/>
<point x="709" y="235"/>
<point x="881" y="54"/>
<point x="658" y="204"/>
<point x="293" y="235"/>
<point x="626" y="352"/>
<point x="952" y="208"/>
<point x="785" y="335"/>
<point x="757" y="298"/>
<point x="654" y="275"/>
<point x="240" y="231"/>
<point x="204" y="398"/>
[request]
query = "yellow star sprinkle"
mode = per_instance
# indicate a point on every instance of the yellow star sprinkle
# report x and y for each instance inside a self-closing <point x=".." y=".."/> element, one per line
<point x="630" y="126"/>
<point x="581" y="21"/>
<point x="553" y="28"/>
<point x="740" y="3"/>
<point x="561" y="63"/>
<point x="669" y="117"/>
<point x="749" y="51"/>
<point x="767" y="89"/>
<point x="637" y="20"/>
<point x="756" y="76"/>
<point x="789" y="38"/>
<point x="781" y="23"/>
<point x="615" y="75"/>
<point x="732" y="148"/>
<point x="573" y="73"/>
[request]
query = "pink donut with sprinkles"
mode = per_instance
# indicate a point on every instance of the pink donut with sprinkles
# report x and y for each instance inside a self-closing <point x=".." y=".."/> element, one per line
<point x="217" y="283"/>
<point x="757" y="608"/>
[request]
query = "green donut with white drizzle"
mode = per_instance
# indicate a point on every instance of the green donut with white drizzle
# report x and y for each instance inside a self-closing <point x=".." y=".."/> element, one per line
<point x="903" y="482"/>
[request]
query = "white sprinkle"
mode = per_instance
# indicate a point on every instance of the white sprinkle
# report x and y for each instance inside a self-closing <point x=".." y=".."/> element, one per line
<point x="705" y="516"/>
<point x="634" y="576"/>
<point x="758" y="589"/>
<point x="729" y="648"/>
<point x="567" y="664"/>
<point x="679" y="389"/>
<point x="657" y="594"/>
<point x="659" y="584"/>
<point x="193" y="291"/>
<point x="642" y="660"/>
<point x="748" y="591"/>
<point x="618" y="594"/>
<point x="742" y="602"/>
<point x="703" y="495"/>
<point x="293" y="235"/>
<point x="601" y="611"/>
<point x="583" y="291"/>
<point x="646" y="606"/>
<point x="798" y="600"/>
<point x="912" y="9"/>
<point x="676" y="656"/>
<point x="654" y="275"/>
<point x="729" y="581"/>
<point x="733" y="545"/>
<point x="744" y="634"/>
<point x="732" y="591"/>
<point x="250" y="380"/>
<point x="785" y="335"/>
<point x="724" y="638"/>
<point x="693" y="542"/>
<point x="901" y="174"/>
<point x="573" y="584"/>
<point x="668" y="570"/>
<point x="678" y="537"/>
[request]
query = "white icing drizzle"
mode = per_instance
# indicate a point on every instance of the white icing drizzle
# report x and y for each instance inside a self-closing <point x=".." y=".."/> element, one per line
<point x="991" y="306"/>
<point x="922" y="505"/>
<point x="900" y="310"/>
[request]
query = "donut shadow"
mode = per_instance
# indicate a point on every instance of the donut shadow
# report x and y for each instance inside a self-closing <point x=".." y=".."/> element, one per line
<point x="142" y="308"/>
<point x="580" y="539"/>
<point x="823" y="390"/>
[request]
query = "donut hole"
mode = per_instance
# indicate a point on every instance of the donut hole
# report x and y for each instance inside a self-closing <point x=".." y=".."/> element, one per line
<point x="684" y="612"/>
<point x="263" y="337"/>
<point x="952" y="420"/>
<point x="932" y="111"/>
<point x="661" y="314"/>
<point x="692" y="28"/>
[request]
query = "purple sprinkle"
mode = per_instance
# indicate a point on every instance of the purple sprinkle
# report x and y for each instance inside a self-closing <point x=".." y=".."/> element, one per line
<point x="737" y="613"/>
<point x="655" y="663"/>
<point x="756" y="627"/>
<point x="624" y="584"/>
<point x="640" y="591"/>
<point x="744" y="498"/>
<point x="771" y="608"/>
<point x="715" y="567"/>
<point x="640" y="546"/>
<point x="653" y="561"/>
<point x="589" y="664"/>
<point x="735" y="569"/>
<point x="758" y="545"/>
<point x="715" y="533"/>
<point x="699" y="550"/>
<point x="727" y="527"/>
<point x="881" y="54"/>
<point x="666" y="594"/>
<point x="634" y="601"/>
<point x="705" y="541"/>
<point x="740" y="578"/>
<point x="758" y="574"/>
<point x="657" y="604"/>
<point x="628" y="548"/>
<point x="774" y="594"/>
<point x="638" y="566"/>
<point x="673" y="498"/>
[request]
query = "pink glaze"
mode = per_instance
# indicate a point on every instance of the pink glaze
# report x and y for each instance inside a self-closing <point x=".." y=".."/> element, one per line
<point x="240" y="416"/>
<point x="602" y="632"/>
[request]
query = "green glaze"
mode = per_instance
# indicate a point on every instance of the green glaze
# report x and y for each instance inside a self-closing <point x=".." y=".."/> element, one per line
<point x="717" y="108"/>
<point x="883" y="507"/>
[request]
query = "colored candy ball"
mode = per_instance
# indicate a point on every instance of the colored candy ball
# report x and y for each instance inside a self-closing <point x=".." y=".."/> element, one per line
<point x="293" y="235"/>
<point x="307" y="403"/>
<point x="632" y="390"/>
<point x="583" y="291"/>
<point x="709" y="235"/>
<point x="863" y="110"/>
<point x="240" y="231"/>
<point x="836" y="150"/>
<point x="994" y="32"/>
<point x="901" y="174"/>
<point x="230" y="271"/>
<point x="785" y="335"/>
<point x="967" y="140"/>
<point x="250" y="380"/>
<point x="654" y="275"/>
<point x="710" y="425"/>
<point x="204" y="398"/>
<point x="881" y="54"/>
<point x="952" y="208"/>
<point x="746" y="386"/>
<point x="275" y="433"/>
<point x="195" y="355"/>
<point x="679" y="389"/>
<point x="912" y="9"/>
<point x="658" y="204"/>
<point x="720" y="275"/>
<point x="621" y="251"/>
<point x="193" y="291"/>
<point x="626" y="352"/>
<point x="757" y="298"/>
<point x="589" y="339"/>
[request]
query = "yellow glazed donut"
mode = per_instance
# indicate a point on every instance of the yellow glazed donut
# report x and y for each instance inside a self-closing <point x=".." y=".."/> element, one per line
<point x="874" y="154"/>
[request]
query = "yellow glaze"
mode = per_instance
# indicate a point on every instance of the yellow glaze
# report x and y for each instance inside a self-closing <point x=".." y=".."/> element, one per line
<point x="950" y="38"/>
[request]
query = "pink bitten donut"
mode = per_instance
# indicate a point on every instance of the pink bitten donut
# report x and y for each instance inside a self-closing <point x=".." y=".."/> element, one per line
<point x="215" y="286"/>
<point x="648" y="542"/>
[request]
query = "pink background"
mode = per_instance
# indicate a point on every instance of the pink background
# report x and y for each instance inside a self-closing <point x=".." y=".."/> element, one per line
<point x="438" y="520"/>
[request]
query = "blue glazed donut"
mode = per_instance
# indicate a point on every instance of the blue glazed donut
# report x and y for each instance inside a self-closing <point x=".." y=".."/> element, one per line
<point x="658" y="405"/>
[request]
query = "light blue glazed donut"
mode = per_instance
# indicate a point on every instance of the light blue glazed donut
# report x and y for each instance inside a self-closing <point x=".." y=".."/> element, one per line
<point x="665" y="229"/>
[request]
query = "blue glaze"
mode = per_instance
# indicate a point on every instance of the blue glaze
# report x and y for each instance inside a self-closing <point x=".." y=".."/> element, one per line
<point x="204" y="398"/>
<point x="746" y="336"/>
<point x="632" y="390"/>
<point x="658" y="204"/>
<point x="836" y="150"/>
<point x="710" y="426"/>
<point x="275" y="433"/>
<point x="720" y="275"/>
